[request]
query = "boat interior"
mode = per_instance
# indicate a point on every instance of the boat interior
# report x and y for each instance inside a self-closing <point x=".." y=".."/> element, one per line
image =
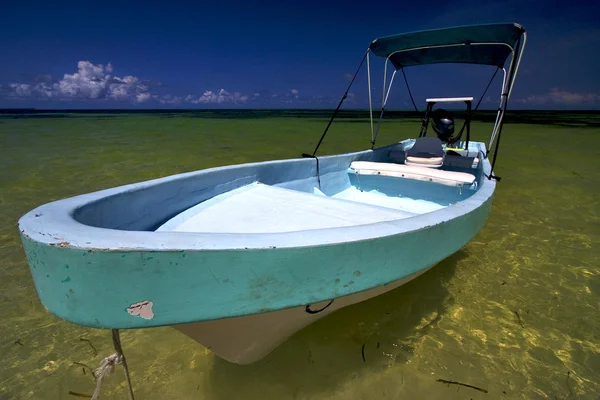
<point x="412" y="181"/>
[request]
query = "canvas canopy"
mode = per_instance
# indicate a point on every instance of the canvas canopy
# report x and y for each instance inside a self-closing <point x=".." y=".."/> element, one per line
<point x="489" y="44"/>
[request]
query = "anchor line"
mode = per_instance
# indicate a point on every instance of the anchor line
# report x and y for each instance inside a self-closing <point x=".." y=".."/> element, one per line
<point x="108" y="364"/>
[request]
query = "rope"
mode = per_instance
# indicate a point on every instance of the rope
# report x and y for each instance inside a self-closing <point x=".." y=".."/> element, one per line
<point x="486" y="89"/>
<point x="340" y="103"/>
<point x="108" y="364"/>
<point x="409" y="92"/>
<point x="318" y="173"/>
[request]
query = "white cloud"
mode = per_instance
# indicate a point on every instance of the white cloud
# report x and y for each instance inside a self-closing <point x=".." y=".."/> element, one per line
<point x="559" y="96"/>
<point x="20" y="89"/>
<point x="91" y="82"/>
<point x="168" y="99"/>
<point x="294" y="91"/>
<point x="219" y="97"/>
<point x="143" y="97"/>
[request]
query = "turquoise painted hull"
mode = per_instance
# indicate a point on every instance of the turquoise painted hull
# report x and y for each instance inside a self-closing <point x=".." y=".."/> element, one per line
<point x="96" y="259"/>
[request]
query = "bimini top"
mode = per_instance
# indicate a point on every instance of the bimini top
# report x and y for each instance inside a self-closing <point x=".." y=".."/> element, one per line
<point x="489" y="44"/>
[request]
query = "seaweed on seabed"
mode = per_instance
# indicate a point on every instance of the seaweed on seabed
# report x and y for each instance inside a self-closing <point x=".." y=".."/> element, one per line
<point x="462" y="384"/>
<point x="519" y="320"/>
<point x="77" y="394"/>
<point x="84" y="366"/>
<point x="567" y="382"/>
<point x="91" y="345"/>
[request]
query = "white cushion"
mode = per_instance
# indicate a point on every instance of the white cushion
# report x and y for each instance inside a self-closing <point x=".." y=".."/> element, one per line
<point x="425" y="162"/>
<point x="449" y="178"/>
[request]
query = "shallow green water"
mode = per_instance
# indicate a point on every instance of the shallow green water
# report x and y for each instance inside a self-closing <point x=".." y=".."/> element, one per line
<point x="538" y="256"/>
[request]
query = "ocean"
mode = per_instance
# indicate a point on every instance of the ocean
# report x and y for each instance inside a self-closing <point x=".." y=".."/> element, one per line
<point x="515" y="313"/>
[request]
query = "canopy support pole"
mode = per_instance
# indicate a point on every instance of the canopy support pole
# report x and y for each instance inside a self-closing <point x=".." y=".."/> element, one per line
<point x="370" y="101"/>
<point x="495" y="129"/>
<point x="507" y="90"/>
<point x="499" y="114"/>
<point x="384" y="99"/>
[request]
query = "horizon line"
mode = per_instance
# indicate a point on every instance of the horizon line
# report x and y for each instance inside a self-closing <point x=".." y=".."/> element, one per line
<point x="34" y="109"/>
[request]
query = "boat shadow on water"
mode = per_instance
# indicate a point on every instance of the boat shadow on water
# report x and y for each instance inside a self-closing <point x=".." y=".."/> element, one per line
<point x="364" y="338"/>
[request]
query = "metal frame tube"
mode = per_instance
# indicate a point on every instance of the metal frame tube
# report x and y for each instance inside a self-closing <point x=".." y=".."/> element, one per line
<point x="512" y="72"/>
<point x="384" y="99"/>
<point x="452" y="45"/>
<point x="514" y="77"/>
<point x="370" y="100"/>
<point x="507" y="86"/>
<point x="385" y="67"/>
<point x="496" y="124"/>
<point x="389" y="88"/>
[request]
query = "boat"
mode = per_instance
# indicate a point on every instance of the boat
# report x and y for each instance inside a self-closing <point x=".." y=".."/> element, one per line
<point x="241" y="257"/>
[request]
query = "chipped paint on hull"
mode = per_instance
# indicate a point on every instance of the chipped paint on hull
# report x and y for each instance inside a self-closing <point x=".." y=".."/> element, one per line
<point x="142" y="309"/>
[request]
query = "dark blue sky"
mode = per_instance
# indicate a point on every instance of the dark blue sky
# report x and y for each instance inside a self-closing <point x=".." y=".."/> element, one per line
<point x="209" y="54"/>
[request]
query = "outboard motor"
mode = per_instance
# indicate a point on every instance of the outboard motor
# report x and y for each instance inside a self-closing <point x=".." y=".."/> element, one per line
<point x="443" y="124"/>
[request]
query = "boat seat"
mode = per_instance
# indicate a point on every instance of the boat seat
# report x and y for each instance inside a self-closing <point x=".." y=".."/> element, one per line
<point x="426" y="152"/>
<point x="450" y="178"/>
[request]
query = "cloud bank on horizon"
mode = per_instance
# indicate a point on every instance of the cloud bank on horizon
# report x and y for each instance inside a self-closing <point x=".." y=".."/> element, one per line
<point x="276" y="55"/>
<point x="97" y="82"/>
